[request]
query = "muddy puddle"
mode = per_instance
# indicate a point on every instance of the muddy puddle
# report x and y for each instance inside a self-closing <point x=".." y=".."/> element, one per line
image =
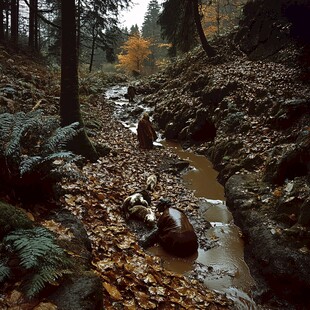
<point x="221" y="267"/>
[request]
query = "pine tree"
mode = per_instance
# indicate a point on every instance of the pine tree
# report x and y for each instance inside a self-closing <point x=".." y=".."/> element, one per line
<point x="70" y="111"/>
<point x="181" y="25"/>
<point x="152" y="31"/>
<point x="134" y="29"/>
<point x="150" y="27"/>
<point x="178" y="25"/>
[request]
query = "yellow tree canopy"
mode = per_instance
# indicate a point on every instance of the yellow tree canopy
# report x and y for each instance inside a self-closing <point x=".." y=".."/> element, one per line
<point x="135" y="51"/>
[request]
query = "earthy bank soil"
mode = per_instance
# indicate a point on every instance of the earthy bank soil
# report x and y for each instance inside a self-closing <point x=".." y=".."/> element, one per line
<point x="129" y="278"/>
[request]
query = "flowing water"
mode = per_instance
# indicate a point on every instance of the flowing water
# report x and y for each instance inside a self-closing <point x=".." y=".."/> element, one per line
<point x="221" y="268"/>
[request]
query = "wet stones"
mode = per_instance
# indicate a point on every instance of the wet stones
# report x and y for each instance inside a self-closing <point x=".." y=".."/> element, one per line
<point x="268" y="241"/>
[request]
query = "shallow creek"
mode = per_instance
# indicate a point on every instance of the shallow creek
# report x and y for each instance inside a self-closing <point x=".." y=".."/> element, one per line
<point x="222" y="267"/>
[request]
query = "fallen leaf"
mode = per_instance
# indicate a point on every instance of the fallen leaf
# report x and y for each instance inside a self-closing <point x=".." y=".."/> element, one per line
<point x="113" y="291"/>
<point x="45" y="306"/>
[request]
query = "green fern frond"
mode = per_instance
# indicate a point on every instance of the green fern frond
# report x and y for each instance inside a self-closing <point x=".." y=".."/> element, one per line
<point x="29" y="145"/>
<point x="66" y="155"/>
<point x="38" y="252"/>
<point x="34" y="283"/>
<point x="59" y="140"/>
<point x="6" y="123"/>
<point x="45" y="165"/>
<point x="4" y="270"/>
<point x="22" y="122"/>
<point x="32" y="245"/>
<point x="28" y="163"/>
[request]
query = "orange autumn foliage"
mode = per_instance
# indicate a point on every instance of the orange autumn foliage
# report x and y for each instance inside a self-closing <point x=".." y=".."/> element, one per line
<point x="135" y="51"/>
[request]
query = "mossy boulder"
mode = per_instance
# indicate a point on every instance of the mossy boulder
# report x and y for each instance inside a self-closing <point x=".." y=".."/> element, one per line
<point x="12" y="218"/>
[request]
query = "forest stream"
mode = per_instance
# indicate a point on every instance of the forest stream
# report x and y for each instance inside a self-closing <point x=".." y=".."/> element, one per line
<point x="221" y="267"/>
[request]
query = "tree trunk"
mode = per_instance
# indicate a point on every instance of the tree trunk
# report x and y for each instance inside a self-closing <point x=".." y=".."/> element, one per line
<point x="36" y="29"/>
<point x="78" y="37"/>
<point x="14" y="21"/>
<point x="218" y="18"/>
<point x="7" y="16"/>
<point x="69" y="97"/>
<point x="205" y="45"/>
<point x="1" y="21"/>
<point x="93" y="46"/>
<point x="32" y="16"/>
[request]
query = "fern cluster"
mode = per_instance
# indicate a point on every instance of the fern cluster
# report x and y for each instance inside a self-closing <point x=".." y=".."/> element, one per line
<point x="4" y="269"/>
<point x="33" y="149"/>
<point x="39" y="255"/>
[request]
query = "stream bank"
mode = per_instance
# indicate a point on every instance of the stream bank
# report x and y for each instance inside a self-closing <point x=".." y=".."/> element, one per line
<point x="252" y="120"/>
<point x="219" y="263"/>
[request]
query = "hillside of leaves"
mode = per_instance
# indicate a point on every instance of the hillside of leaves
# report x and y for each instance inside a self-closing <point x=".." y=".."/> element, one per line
<point x="252" y="119"/>
<point x="130" y="278"/>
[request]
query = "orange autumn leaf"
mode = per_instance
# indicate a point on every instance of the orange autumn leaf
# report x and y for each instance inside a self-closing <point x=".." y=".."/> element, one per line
<point x="113" y="291"/>
<point x="277" y="192"/>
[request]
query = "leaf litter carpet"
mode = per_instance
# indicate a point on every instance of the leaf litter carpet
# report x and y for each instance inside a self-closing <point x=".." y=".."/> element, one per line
<point x="131" y="278"/>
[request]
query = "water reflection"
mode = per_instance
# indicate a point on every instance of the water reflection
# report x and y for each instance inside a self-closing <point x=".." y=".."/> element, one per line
<point x="201" y="177"/>
<point x="222" y="267"/>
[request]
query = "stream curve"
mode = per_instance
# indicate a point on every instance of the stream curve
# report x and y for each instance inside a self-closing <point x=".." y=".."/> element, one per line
<point x="222" y="267"/>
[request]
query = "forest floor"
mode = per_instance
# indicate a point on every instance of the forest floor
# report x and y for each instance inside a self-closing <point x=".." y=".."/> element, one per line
<point x="131" y="278"/>
<point x="117" y="256"/>
<point x="252" y="101"/>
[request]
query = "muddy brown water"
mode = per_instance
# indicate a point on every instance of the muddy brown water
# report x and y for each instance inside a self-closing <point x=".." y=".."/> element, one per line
<point x="222" y="267"/>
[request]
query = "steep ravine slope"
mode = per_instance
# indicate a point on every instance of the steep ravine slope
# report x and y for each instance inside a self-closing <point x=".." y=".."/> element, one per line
<point x="252" y="119"/>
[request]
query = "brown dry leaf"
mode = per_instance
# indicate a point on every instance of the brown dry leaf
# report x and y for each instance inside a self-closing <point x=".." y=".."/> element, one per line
<point x="104" y="264"/>
<point x="100" y="196"/>
<point x="15" y="298"/>
<point x="277" y="192"/>
<point x="125" y="244"/>
<point x="129" y="304"/>
<point x="149" y="278"/>
<point x="70" y="200"/>
<point x="157" y="290"/>
<point x="143" y="300"/>
<point x="113" y="291"/>
<point x="30" y="216"/>
<point x="45" y="306"/>
<point x="63" y="232"/>
<point x="183" y="291"/>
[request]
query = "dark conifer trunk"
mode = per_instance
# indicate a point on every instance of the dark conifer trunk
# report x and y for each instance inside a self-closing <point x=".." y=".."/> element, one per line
<point x="33" y="25"/>
<point x="14" y="21"/>
<point x="78" y="36"/>
<point x="7" y="16"/>
<point x="1" y="21"/>
<point x="93" y="46"/>
<point x="205" y="45"/>
<point x="69" y="98"/>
